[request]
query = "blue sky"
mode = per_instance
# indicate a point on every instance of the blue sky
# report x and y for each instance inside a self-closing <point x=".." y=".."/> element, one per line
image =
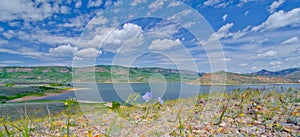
<point x="245" y="35"/>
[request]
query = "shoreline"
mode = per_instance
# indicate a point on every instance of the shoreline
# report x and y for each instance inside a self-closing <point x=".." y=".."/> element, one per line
<point x="30" y="98"/>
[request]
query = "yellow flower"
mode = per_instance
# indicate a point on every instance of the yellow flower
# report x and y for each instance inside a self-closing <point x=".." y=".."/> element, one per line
<point x="220" y="129"/>
<point x="271" y="125"/>
<point x="277" y="125"/>
<point x="242" y="115"/>
<point x="66" y="103"/>
<point x="90" y="133"/>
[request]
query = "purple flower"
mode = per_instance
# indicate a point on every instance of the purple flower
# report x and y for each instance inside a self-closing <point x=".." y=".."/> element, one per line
<point x="147" y="96"/>
<point x="161" y="101"/>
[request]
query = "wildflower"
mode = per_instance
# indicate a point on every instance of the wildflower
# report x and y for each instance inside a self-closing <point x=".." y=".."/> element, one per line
<point x="161" y="101"/>
<point x="242" y="114"/>
<point x="147" y="96"/>
<point x="90" y="133"/>
<point x="66" y="103"/>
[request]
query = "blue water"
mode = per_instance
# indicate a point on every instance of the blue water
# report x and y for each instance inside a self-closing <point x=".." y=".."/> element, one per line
<point x="119" y="92"/>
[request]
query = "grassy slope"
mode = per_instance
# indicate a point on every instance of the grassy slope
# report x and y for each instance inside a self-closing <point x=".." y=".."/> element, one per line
<point x="59" y="74"/>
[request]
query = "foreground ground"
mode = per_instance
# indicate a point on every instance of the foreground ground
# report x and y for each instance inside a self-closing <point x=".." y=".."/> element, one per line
<point x="251" y="112"/>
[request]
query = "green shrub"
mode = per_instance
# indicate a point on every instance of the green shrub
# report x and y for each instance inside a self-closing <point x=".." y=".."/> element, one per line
<point x="115" y="105"/>
<point x="10" y="85"/>
<point x="56" y="84"/>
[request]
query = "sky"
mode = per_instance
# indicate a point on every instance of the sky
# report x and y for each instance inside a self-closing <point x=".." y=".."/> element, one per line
<point x="240" y="36"/>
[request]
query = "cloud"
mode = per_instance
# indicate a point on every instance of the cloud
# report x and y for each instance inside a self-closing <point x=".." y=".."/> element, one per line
<point x="216" y="3"/>
<point x="290" y="41"/>
<point x="242" y="2"/>
<point x="226" y="59"/>
<point x="87" y="53"/>
<point x="111" y="39"/>
<point x="280" y="19"/>
<point x="254" y="68"/>
<point x="11" y="62"/>
<point x="136" y="2"/>
<point x="8" y="34"/>
<point x="2" y="42"/>
<point x="274" y="63"/>
<point x="224" y="17"/>
<point x="27" y="10"/>
<point x="157" y="4"/>
<point x="223" y="32"/>
<point x="275" y="5"/>
<point x="78" y="4"/>
<point x="243" y="65"/>
<point x="63" y="50"/>
<point x="164" y="44"/>
<point x="247" y="12"/>
<point x="269" y="53"/>
<point x="94" y="3"/>
<point x="28" y="52"/>
<point x="240" y="33"/>
<point x="174" y="4"/>
<point x="119" y="36"/>
<point x="64" y="9"/>
<point x="165" y="28"/>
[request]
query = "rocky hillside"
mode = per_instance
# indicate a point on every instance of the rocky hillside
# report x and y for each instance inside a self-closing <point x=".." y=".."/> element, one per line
<point x="291" y="73"/>
<point x="233" y="78"/>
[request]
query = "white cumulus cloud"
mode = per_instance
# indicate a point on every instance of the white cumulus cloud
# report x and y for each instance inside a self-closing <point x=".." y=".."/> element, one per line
<point x="280" y="19"/>
<point x="62" y="50"/>
<point x="111" y="39"/>
<point x="164" y="44"/>
<point x="87" y="53"/>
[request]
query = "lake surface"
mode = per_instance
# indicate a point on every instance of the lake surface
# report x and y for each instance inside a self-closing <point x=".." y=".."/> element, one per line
<point x="119" y="92"/>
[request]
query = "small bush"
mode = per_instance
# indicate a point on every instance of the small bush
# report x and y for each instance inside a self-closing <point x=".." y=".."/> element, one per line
<point x="115" y="105"/>
<point x="10" y="85"/>
<point x="56" y="84"/>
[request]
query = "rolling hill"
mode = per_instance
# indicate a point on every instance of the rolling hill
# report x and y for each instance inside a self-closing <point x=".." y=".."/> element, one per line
<point x="105" y="73"/>
<point x="222" y="77"/>
<point x="61" y="74"/>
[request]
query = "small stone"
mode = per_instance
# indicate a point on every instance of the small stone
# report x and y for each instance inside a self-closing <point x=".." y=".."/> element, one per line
<point x="223" y="125"/>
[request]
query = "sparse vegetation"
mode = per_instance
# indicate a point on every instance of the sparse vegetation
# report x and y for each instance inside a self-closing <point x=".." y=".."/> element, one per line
<point x="263" y="112"/>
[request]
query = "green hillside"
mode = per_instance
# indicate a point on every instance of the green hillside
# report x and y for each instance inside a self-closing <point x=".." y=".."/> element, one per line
<point x="103" y="74"/>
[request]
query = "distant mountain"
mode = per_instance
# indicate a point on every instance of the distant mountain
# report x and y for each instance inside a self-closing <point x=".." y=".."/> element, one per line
<point x="103" y="74"/>
<point x="291" y="73"/>
<point x="223" y="77"/>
